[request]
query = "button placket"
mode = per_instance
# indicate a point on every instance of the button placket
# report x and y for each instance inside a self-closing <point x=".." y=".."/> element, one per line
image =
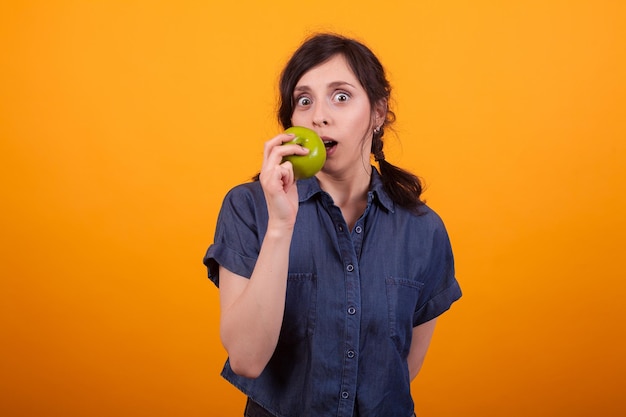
<point x="349" y="244"/>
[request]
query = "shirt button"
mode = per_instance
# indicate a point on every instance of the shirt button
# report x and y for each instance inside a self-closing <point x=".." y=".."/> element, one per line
<point x="358" y="229"/>
<point x="350" y="268"/>
<point x="350" y="354"/>
<point x="345" y="395"/>
<point x="351" y="310"/>
<point x="340" y="227"/>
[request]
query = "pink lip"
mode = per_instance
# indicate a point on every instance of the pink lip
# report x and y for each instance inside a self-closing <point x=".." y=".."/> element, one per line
<point x="329" y="151"/>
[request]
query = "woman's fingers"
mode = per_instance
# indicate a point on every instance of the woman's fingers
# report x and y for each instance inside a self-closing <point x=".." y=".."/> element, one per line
<point x="271" y="144"/>
<point x="278" y="179"/>
<point x="288" y="177"/>
<point x="275" y="150"/>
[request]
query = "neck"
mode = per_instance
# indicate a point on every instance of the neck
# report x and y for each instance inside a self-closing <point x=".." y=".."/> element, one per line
<point x="348" y="192"/>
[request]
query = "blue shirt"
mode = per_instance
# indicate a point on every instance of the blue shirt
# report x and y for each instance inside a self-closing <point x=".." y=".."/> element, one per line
<point x="353" y="298"/>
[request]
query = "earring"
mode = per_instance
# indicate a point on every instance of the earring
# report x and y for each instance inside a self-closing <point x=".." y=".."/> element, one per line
<point x="377" y="130"/>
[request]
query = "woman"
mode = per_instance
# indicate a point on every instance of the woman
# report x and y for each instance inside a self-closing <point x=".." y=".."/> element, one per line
<point x="330" y="286"/>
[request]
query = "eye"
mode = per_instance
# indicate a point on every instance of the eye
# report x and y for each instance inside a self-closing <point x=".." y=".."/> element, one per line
<point x="303" y="101"/>
<point x="342" y="97"/>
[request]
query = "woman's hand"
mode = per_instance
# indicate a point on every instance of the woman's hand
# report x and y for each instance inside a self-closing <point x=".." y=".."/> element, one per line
<point x="278" y="181"/>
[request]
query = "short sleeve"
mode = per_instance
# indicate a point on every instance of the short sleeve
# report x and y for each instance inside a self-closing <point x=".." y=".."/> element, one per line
<point x="237" y="238"/>
<point x="441" y="288"/>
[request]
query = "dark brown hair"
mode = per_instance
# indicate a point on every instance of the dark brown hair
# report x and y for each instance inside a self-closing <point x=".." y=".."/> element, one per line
<point x="403" y="187"/>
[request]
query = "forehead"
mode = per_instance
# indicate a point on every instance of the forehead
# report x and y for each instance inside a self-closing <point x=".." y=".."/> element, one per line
<point x="336" y="69"/>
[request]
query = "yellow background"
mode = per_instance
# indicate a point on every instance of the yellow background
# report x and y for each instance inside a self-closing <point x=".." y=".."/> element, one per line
<point x="123" y="124"/>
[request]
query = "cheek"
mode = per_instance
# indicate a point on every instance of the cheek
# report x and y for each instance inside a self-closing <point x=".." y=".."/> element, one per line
<point x="361" y="120"/>
<point x="365" y="114"/>
<point x="295" y="120"/>
<point x="298" y="119"/>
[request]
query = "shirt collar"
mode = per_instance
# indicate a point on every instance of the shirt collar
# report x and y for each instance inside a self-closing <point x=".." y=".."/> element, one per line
<point x="309" y="187"/>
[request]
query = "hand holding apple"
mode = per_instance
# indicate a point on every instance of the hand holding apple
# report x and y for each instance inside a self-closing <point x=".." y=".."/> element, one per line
<point x="306" y="166"/>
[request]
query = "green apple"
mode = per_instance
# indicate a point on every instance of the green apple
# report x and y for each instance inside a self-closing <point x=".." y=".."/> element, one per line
<point x="305" y="166"/>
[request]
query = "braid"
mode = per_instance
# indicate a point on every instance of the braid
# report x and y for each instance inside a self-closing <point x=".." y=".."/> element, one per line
<point x="377" y="145"/>
<point x="403" y="187"/>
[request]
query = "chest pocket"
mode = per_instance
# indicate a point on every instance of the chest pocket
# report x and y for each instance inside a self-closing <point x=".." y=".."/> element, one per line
<point x="300" y="304"/>
<point x="402" y="297"/>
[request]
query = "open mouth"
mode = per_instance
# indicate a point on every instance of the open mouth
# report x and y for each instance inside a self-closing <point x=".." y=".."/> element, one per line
<point x="329" y="143"/>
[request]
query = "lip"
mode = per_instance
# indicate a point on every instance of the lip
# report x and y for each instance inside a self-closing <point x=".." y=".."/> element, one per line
<point x="329" y="150"/>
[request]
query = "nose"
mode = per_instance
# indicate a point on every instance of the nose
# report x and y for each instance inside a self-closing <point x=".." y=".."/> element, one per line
<point x="320" y="116"/>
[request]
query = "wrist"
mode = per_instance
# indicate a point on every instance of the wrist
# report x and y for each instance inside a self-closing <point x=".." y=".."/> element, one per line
<point x="279" y="230"/>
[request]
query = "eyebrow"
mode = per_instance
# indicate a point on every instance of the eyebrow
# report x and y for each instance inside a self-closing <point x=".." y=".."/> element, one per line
<point x="334" y="84"/>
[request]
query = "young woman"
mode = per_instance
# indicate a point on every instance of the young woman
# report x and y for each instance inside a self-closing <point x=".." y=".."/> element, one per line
<point x="330" y="286"/>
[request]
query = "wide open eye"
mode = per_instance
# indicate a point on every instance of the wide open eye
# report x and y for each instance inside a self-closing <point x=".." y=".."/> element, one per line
<point x="303" y="101"/>
<point x="342" y="97"/>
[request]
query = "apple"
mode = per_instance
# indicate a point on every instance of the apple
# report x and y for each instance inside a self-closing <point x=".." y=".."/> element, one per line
<point x="305" y="166"/>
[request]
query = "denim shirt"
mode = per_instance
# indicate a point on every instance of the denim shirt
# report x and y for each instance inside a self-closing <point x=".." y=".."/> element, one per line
<point x="353" y="298"/>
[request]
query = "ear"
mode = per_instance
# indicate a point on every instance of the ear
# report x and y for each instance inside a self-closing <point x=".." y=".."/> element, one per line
<point x="380" y="112"/>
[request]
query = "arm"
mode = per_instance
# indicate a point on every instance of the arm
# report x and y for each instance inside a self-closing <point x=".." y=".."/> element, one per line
<point x="422" y="335"/>
<point x="252" y="309"/>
